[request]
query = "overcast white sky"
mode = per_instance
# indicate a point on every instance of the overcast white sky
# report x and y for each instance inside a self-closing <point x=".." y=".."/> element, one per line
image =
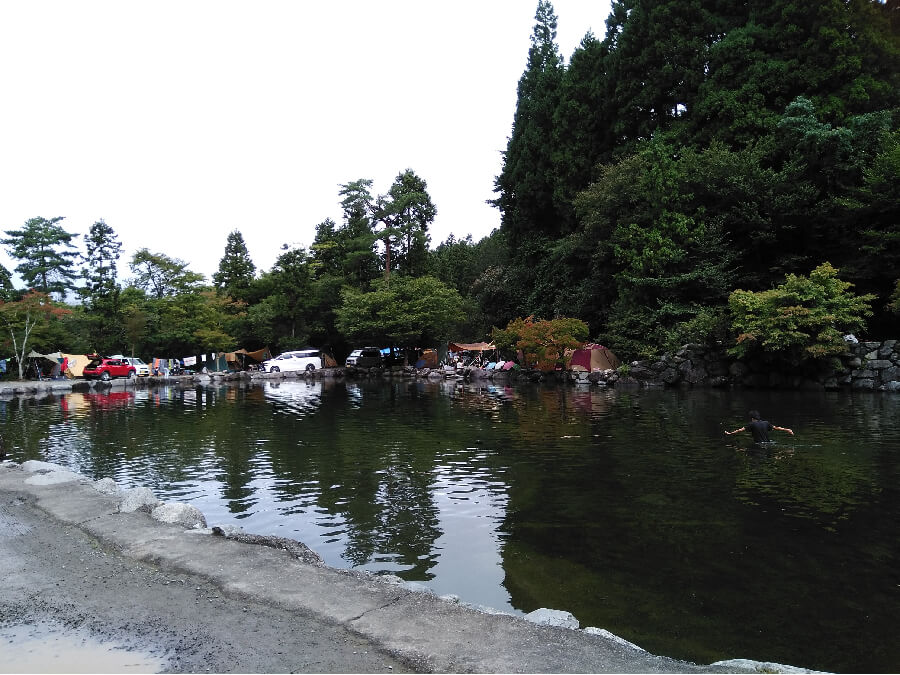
<point x="178" y="122"/>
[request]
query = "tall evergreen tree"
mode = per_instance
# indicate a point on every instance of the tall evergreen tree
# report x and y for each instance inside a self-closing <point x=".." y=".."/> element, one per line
<point x="843" y="55"/>
<point x="657" y="62"/>
<point x="101" y="290"/>
<point x="101" y="258"/>
<point x="582" y="126"/>
<point x="236" y="269"/>
<point x="357" y="235"/>
<point x="41" y="246"/>
<point x="526" y="182"/>
<point x="406" y="211"/>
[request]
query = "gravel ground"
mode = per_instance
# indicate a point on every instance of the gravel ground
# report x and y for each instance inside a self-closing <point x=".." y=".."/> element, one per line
<point x="57" y="580"/>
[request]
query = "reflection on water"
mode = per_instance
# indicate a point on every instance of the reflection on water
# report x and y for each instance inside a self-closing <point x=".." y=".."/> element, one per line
<point x="54" y="648"/>
<point x="631" y="509"/>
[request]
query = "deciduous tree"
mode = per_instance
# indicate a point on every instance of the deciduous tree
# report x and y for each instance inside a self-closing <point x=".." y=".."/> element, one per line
<point x="803" y="319"/>
<point x="162" y="276"/>
<point x="20" y="318"/>
<point x="408" y="312"/>
<point x="542" y="341"/>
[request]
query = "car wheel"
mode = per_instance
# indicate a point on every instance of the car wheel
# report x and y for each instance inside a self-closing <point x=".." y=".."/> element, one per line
<point x="131" y="374"/>
<point x="310" y="367"/>
<point x="105" y="376"/>
<point x="274" y="369"/>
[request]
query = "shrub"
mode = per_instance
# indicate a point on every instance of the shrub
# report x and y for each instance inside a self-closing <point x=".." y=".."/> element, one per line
<point x="803" y="319"/>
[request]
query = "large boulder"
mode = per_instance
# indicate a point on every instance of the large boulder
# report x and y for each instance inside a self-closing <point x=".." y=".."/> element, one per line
<point x="552" y="617"/>
<point x="138" y="499"/>
<point x="178" y="513"/>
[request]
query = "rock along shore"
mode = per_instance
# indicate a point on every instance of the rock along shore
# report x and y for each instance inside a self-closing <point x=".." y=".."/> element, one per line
<point x="305" y="616"/>
<point x="866" y="366"/>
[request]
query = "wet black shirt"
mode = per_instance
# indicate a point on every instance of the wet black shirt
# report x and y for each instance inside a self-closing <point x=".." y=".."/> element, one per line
<point x="760" y="430"/>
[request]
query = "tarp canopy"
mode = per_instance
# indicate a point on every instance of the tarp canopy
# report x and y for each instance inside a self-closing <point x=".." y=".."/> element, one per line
<point x="56" y="357"/>
<point x="471" y="347"/>
<point x="259" y="355"/>
<point x="593" y="357"/>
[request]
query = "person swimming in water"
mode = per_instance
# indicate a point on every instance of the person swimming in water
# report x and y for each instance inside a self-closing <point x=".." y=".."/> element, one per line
<point x="759" y="427"/>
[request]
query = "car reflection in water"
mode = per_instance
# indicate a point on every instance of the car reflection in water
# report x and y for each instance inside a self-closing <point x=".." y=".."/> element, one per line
<point x="113" y="399"/>
<point x="294" y="398"/>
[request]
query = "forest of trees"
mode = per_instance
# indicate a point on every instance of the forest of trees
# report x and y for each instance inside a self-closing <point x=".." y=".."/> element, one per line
<point x="700" y="148"/>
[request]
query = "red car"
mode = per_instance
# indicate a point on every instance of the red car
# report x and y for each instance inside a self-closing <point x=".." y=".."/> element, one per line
<point x="105" y="369"/>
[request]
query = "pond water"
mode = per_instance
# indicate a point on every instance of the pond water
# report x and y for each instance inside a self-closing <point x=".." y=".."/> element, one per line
<point x="628" y="508"/>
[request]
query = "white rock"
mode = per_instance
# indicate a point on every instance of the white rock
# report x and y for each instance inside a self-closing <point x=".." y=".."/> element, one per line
<point x="416" y="587"/>
<point x="761" y="666"/>
<point x="180" y="514"/>
<point x="135" y="498"/>
<point x="107" y="486"/>
<point x="34" y="466"/>
<point x="602" y="632"/>
<point x="54" y="477"/>
<point x="552" y="617"/>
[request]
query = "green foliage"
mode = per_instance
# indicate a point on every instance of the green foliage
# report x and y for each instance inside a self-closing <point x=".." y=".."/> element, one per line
<point x="162" y="276"/>
<point x="894" y="304"/>
<point x="284" y="321"/>
<point x="102" y="321"/>
<point x="526" y="183"/>
<point x="41" y="246"/>
<point x="803" y="319"/>
<point x="409" y="312"/>
<point x="657" y="246"/>
<point x="405" y="213"/>
<point x="236" y="269"/>
<point x="23" y="320"/>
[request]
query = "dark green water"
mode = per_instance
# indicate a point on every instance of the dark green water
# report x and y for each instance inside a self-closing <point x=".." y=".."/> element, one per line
<point x="629" y="509"/>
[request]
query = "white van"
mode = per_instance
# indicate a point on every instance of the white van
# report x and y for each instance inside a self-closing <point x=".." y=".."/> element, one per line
<point x="305" y="359"/>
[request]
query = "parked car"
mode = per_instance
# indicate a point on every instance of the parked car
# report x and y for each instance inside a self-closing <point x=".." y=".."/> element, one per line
<point x="105" y="368"/>
<point x="367" y="357"/>
<point x="304" y="359"/>
<point x="141" y="368"/>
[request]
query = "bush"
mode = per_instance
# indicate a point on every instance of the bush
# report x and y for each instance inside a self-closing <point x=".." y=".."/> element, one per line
<point x="803" y="319"/>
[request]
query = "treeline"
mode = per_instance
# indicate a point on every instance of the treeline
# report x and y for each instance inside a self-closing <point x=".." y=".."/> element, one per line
<point x="372" y="278"/>
<point x="700" y="148"/>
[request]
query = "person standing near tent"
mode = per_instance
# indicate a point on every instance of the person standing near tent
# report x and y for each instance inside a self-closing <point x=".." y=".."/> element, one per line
<point x="760" y="428"/>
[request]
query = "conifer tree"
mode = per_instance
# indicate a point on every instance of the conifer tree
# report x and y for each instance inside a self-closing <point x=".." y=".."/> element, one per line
<point x="41" y="246"/>
<point x="101" y="292"/>
<point x="526" y="182"/>
<point x="236" y="269"/>
<point x="103" y="251"/>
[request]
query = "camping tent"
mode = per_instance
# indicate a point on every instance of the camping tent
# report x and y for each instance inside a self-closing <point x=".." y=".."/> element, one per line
<point x="75" y="364"/>
<point x="55" y="358"/>
<point x="593" y="357"/>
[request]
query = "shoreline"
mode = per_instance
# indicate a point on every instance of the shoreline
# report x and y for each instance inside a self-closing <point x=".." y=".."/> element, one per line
<point x="410" y="628"/>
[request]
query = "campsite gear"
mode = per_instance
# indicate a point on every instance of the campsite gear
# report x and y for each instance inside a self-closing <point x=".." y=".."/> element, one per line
<point x="592" y="357"/>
